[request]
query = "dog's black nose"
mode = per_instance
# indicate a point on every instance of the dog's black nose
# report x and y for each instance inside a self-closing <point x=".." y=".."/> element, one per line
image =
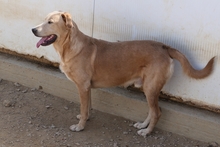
<point x="34" y="30"/>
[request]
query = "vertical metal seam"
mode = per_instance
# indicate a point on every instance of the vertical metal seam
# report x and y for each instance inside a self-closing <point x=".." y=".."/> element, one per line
<point x="93" y="18"/>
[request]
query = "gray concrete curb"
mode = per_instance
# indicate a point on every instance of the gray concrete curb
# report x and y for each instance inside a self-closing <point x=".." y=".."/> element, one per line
<point x="177" y="118"/>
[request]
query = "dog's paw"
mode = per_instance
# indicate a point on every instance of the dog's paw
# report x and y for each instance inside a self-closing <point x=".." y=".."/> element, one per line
<point x="143" y="132"/>
<point x="76" y="128"/>
<point x="140" y="125"/>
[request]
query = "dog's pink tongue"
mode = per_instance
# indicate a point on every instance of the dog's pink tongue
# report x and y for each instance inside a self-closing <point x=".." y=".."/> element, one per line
<point x="41" y="41"/>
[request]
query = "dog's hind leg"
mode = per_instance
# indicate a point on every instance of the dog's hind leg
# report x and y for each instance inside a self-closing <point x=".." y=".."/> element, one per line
<point x="143" y="125"/>
<point x="153" y="116"/>
<point x="152" y="86"/>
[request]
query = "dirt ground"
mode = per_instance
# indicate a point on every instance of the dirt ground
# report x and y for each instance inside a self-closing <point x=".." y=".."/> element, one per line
<point x="32" y="118"/>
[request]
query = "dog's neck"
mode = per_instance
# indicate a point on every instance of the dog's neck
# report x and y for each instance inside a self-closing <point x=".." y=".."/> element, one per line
<point x="72" y="41"/>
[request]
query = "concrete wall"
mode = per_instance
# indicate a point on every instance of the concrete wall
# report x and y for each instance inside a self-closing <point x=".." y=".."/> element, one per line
<point x="190" y="26"/>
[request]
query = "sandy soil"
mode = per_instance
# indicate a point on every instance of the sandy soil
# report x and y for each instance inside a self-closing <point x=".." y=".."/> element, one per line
<point x="32" y="118"/>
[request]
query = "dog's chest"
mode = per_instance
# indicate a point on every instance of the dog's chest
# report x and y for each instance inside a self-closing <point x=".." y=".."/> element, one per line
<point x="66" y="70"/>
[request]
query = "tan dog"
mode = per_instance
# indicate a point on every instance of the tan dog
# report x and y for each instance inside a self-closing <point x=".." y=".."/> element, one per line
<point x="93" y="63"/>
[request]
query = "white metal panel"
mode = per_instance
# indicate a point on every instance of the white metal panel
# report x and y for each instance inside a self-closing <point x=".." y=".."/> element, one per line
<point x="190" y="26"/>
<point x="18" y="17"/>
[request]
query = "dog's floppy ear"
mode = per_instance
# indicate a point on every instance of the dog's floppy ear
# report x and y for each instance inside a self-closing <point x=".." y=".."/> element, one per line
<point x="67" y="19"/>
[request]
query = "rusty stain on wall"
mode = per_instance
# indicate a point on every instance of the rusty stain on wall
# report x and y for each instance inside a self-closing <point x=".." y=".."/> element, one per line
<point x="190" y="103"/>
<point x="168" y="97"/>
<point x="31" y="58"/>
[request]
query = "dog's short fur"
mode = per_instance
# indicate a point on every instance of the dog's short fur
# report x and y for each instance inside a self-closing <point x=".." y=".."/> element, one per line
<point x="93" y="63"/>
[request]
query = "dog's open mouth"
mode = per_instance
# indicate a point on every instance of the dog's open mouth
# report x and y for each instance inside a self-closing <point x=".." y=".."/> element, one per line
<point x="44" y="41"/>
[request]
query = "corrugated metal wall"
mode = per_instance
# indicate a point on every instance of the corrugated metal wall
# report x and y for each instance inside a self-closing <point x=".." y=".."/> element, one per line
<point x="190" y="26"/>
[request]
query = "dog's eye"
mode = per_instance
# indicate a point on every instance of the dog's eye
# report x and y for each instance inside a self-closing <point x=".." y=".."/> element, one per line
<point x="50" y="22"/>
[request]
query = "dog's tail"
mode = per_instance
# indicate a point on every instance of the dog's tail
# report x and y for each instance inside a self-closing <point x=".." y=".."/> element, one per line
<point x="187" y="68"/>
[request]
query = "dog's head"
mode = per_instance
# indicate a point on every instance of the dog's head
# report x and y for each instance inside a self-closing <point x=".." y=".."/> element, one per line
<point x="54" y="26"/>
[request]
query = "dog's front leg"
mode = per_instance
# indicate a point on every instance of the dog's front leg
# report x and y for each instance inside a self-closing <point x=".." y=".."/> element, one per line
<point x="85" y="96"/>
<point x="89" y="108"/>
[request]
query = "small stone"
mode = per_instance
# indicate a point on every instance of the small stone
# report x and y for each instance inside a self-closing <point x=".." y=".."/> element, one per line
<point x="44" y="127"/>
<point x="33" y="89"/>
<point x="29" y="135"/>
<point x="66" y="108"/>
<point x="78" y="144"/>
<point x="115" y="144"/>
<point x="169" y="133"/>
<point x="16" y="84"/>
<point x="156" y="137"/>
<point x="131" y="125"/>
<point x="125" y="133"/>
<point x="40" y="88"/>
<point x="57" y="133"/>
<point x="52" y="126"/>
<point x="25" y="91"/>
<point x="7" y="103"/>
<point x="48" y="106"/>
<point x="213" y="144"/>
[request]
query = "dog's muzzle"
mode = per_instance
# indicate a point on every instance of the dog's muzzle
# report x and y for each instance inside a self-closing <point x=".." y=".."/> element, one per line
<point x="45" y="40"/>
